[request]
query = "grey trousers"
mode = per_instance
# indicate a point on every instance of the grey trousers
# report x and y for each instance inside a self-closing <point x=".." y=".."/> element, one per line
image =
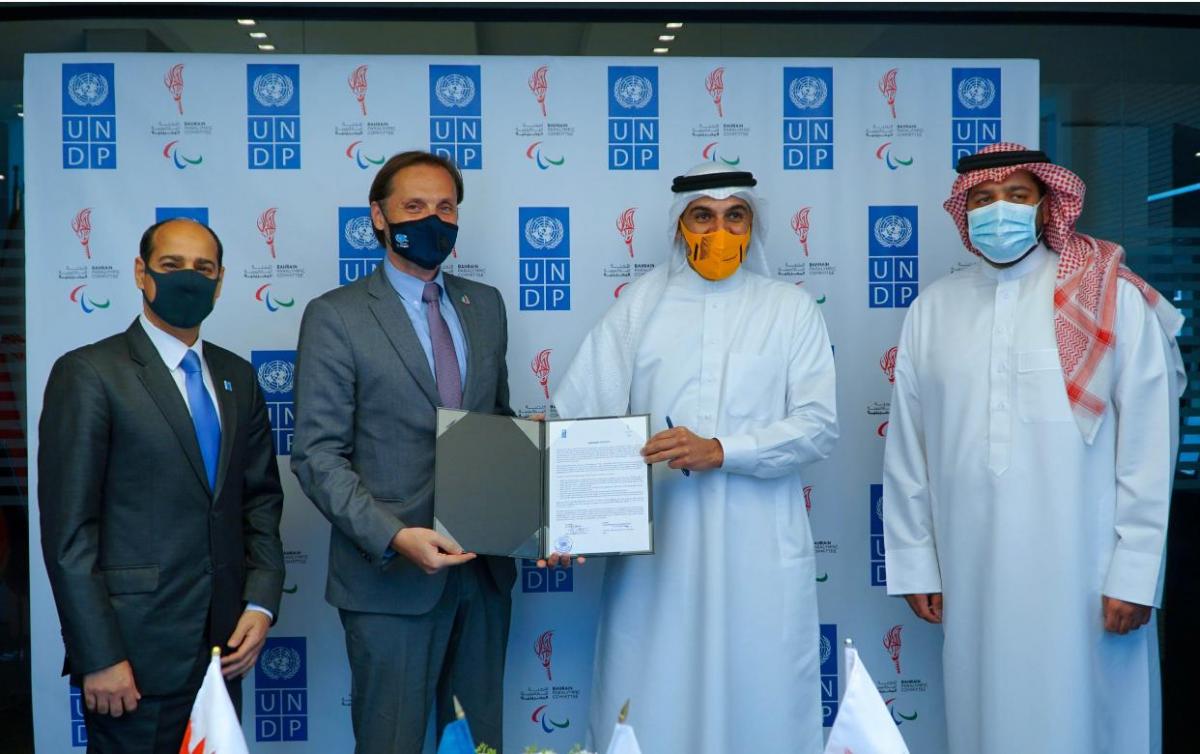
<point x="402" y="666"/>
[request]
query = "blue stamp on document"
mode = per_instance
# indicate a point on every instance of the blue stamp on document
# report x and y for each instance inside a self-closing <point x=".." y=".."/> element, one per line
<point x="564" y="544"/>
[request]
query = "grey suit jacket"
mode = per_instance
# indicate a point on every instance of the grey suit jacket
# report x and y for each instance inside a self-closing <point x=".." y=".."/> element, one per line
<point x="147" y="563"/>
<point x="363" y="448"/>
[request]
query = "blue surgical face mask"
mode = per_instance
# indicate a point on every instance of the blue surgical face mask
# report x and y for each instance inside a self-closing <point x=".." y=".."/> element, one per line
<point x="425" y="242"/>
<point x="1003" y="231"/>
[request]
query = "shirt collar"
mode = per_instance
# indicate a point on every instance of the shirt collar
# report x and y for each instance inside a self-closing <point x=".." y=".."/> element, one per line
<point x="170" y="349"/>
<point x="409" y="287"/>
<point x="1029" y="264"/>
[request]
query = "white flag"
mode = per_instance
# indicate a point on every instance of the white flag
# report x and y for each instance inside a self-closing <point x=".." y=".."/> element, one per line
<point x="213" y="727"/>
<point x="863" y="724"/>
<point x="623" y="741"/>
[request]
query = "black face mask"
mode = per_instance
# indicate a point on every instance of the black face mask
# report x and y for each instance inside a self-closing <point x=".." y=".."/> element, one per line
<point x="183" y="298"/>
<point x="425" y="242"/>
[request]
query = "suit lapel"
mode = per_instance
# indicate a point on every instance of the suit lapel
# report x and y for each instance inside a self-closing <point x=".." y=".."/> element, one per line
<point x="471" y="325"/>
<point x="227" y="405"/>
<point x="397" y="326"/>
<point x="162" y="388"/>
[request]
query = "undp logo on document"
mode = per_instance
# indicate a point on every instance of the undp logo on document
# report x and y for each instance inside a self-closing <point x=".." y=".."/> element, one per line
<point x="878" y="569"/>
<point x="199" y="214"/>
<point x="281" y="690"/>
<point x="829" y="673"/>
<point x="455" y="109"/>
<point x="632" y="117"/>
<point x="892" y="256"/>
<point x="975" y="110"/>
<point x="89" y="116"/>
<point x="273" y="122"/>
<point x="276" y="373"/>
<point x="359" y="252"/>
<point x="808" y="119"/>
<point x="544" y="239"/>
<point x="534" y="579"/>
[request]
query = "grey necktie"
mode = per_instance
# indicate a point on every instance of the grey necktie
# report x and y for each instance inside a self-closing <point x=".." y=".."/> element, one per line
<point x="445" y="361"/>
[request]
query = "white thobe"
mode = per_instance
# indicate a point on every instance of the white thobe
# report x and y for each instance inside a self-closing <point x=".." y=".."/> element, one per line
<point x="714" y="637"/>
<point x="992" y="498"/>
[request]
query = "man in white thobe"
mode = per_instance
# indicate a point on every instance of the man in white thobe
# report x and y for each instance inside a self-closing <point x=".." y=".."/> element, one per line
<point x="1028" y="467"/>
<point x="714" y="638"/>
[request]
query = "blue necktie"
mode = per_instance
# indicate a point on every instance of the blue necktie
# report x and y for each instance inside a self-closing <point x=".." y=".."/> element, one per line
<point x="204" y="416"/>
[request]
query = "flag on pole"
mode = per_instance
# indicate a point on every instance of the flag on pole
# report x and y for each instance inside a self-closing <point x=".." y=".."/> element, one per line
<point x="863" y="724"/>
<point x="456" y="736"/>
<point x="213" y="727"/>
<point x="623" y="740"/>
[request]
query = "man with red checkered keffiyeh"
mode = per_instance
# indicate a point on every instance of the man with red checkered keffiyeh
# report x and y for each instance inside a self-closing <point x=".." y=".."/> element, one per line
<point x="1028" y="467"/>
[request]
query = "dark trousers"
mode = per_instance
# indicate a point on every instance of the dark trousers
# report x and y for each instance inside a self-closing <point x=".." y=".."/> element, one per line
<point x="158" y="725"/>
<point x="402" y="665"/>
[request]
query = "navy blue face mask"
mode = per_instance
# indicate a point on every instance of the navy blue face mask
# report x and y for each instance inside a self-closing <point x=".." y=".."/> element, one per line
<point x="425" y="242"/>
<point x="182" y="298"/>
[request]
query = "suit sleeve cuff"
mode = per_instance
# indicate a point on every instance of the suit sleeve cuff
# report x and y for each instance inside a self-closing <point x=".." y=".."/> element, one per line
<point x="260" y="609"/>
<point x="1133" y="577"/>
<point x="741" y="452"/>
<point x="913" y="570"/>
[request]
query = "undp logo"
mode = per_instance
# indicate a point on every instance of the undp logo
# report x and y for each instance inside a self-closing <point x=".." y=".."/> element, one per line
<point x="544" y="264"/>
<point x="807" y="118"/>
<point x="273" y="122"/>
<point x="359" y="252"/>
<point x="88" y="89"/>
<point x="633" y="139"/>
<point x="281" y="690"/>
<point x="544" y="232"/>
<point x="878" y="563"/>
<point x="829" y="673"/>
<point x="454" y="90"/>
<point x="976" y="93"/>
<point x="808" y="92"/>
<point x="89" y="123"/>
<point x="360" y="233"/>
<point x="280" y="663"/>
<point x="633" y="92"/>
<point x="892" y="249"/>
<point x="893" y="231"/>
<point x="455" y="107"/>
<point x="276" y="375"/>
<point x="273" y="89"/>
<point x="975" y="103"/>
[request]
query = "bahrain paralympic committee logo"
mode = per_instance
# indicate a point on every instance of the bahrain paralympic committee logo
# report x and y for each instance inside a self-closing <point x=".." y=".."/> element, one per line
<point x="544" y="649"/>
<point x="173" y="80"/>
<point x="273" y="304"/>
<point x="543" y="161"/>
<point x="358" y="87"/>
<point x="626" y="227"/>
<point x="800" y="225"/>
<point x="540" y="366"/>
<point x="710" y="153"/>
<point x="86" y="302"/>
<point x="891" y="642"/>
<point x="267" y="228"/>
<point x="181" y="161"/>
<point x="888" y="88"/>
<point x="81" y="224"/>
<point x="888" y="364"/>
<point x="539" y="84"/>
<point x="714" y="83"/>
<point x="363" y="160"/>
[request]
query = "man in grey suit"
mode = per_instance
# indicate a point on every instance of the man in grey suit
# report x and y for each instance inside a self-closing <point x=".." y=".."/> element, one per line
<point x="160" y="501"/>
<point x="423" y="620"/>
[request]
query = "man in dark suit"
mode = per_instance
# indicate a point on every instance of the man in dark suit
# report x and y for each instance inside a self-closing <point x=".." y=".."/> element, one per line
<point x="160" y="503"/>
<point x="423" y="619"/>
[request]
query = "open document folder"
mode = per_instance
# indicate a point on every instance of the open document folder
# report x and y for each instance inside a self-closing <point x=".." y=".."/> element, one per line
<point x="525" y="489"/>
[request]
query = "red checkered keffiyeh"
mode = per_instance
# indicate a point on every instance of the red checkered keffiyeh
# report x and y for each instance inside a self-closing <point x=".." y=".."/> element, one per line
<point x="1085" y="293"/>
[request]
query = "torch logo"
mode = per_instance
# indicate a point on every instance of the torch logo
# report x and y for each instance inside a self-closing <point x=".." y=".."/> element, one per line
<point x="538" y="85"/>
<point x="625" y="227"/>
<point x="82" y="225"/>
<point x="543" y="648"/>
<point x="891" y="642"/>
<point x="266" y="226"/>
<point x="358" y="86"/>
<point x="541" y="369"/>
<point x="174" y="83"/>
<point x="888" y="364"/>
<point x="808" y="498"/>
<point x="800" y="226"/>
<point x="715" y="84"/>
<point x="887" y="87"/>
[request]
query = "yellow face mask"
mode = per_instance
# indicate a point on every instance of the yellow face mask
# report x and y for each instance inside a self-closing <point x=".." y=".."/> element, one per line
<point x="716" y="255"/>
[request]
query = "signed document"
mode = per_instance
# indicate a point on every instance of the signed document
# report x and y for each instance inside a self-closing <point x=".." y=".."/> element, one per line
<point x="525" y="489"/>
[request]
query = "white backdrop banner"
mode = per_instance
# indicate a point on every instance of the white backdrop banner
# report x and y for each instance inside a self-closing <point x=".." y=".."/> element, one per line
<point x="277" y="153"/>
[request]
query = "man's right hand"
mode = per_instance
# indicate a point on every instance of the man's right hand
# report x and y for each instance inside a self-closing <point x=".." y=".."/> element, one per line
<point x="111" y="691"/>
<point x="927" y="606"/>
<point x="429" y="550"/>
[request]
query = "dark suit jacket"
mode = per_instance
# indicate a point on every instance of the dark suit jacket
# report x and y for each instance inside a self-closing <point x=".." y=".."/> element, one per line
<point x="363" y="448"/>
<point x="146" y="563"/>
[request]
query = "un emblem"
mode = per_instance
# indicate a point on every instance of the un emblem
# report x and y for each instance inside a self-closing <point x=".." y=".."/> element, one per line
<point x="276" y="376"/>
<point x="633" y="92"/>
<point x="280" y="663"/>
<point x="808" y="92"/>
<point x="454" y="90"/>
<point x="976" y="93"/>
<point x="879" y="508"/>
<point x="826" y="650"/>
<point x="893" y="231"/>
<point x="360" y="233"/>
<point x="544" y="232"/>
<point x="273" y="90"/>
<point x="87" y="89"/>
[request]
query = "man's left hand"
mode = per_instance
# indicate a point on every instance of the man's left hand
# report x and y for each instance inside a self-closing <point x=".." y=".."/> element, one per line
<point x="1121" y="617"/>
<point x="247" y="639"/>
<point x="682" y="448"/>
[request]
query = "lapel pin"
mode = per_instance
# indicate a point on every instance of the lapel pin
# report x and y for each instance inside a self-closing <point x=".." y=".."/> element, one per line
<point x="466" y="300"/>
<point x="229" y="386"/>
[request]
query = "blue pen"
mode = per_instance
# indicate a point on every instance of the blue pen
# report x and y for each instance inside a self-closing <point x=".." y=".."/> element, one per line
<point x="671" y="425"/>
